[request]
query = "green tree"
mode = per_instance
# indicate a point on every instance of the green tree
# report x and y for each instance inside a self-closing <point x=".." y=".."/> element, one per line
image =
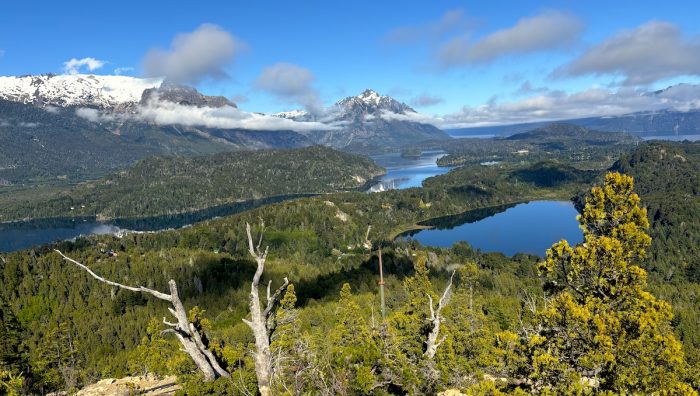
<point x="354" y="351"/>
<point x="158" y="355"/>
<point x="601" y="330"/>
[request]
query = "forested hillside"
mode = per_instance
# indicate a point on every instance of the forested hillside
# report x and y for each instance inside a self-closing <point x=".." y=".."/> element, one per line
<point x="167" y="185"/>
<point x="58" y="145"/>
<point x="557" y="141"/>
<point x="70" y="329"/>
<point x="667" y="177"/>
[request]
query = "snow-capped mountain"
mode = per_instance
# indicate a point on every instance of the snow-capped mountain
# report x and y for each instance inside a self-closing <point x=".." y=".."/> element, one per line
<point x="295" y="115"/>
<point x="114" y="92"/>
<point x="368" y="122"/>
<point x="370" y="102"/>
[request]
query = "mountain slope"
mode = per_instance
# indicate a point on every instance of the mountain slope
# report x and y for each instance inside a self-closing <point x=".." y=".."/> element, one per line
<point x="560" y="141"/>
<point x="369" y="122"/>
<point x="667" y="178"/>
<point x="43" y="144"/>
<point x="76" y="90"/>
<point x="167" y="185"/>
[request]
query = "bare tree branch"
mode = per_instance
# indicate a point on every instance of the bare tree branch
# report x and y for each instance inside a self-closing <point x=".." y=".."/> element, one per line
<point x="186" y="333"/>
<point x="143" y="289"/>
<point x="259" y="321"/>
<point x="432" y="344"/>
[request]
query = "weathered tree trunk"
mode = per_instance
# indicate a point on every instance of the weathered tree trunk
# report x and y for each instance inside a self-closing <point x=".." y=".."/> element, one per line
<point x="432" y="344"/>
<point x="185" y="331"/>
<point x="260" y="322"/>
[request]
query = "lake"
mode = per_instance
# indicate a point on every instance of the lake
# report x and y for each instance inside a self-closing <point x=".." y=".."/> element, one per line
<point x="530" y="227"/>
<point x="23" y="234"/>
<point x="407" y="172"/>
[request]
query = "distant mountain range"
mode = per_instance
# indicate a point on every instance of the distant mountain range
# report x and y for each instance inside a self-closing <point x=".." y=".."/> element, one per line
<point x="75" y="127"/>
<point x="644" y="123"/>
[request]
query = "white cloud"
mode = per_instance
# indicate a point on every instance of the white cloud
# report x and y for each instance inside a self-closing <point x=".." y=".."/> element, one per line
<point x="123" y="70"/>
<point x="426" y="100"/>
<point x="558" y="105"/>
<point x="169" y="113"/>
<point x="450" y="21"/>
<point x="526" y="88"/>
<point x="652" y="51"/>
<point x="226" y="117"/>
<point x="412" y="117"/>
<point x="291" y="83"/>
<point x="549" y="30"/>
<point x="74" y="65"/>
<point x="203" y="53"/>
<point x="95" y="115"/>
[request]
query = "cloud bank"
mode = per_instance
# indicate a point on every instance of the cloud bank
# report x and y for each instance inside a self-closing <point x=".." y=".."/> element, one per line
<point x="291" y="83"/>
<point x="74" y="65"/>
<point x="558" y="105"/>
<point x="203" y="53"/>
<point x="169" y="113"/>
<point x="652" y="51"/>
<point x="550" y="30"/>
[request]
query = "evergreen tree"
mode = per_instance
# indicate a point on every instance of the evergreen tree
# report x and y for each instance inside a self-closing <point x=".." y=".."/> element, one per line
<point x="354" y="349"/>
<point x="601" y="329"/>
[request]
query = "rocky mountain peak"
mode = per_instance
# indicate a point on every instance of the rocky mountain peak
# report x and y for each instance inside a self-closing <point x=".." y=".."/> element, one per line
<point x="184" y="95"/>
<point x="371" y="102"/>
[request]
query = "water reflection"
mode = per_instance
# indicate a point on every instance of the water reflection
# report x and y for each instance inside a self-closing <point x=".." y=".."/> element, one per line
<point x="519" y="228"/>
<point x="407" y="172"/>
<point x="20" y="235"/>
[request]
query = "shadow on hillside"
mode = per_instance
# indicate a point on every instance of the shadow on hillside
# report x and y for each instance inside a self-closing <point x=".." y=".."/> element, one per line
<point x="362" y="278"/>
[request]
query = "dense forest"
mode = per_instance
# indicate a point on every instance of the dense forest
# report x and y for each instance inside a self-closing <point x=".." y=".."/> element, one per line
<point x="505" y="324"/>
<point x="564" y="142"/>
<point x="52" y="145"/>
<point x="167" y="185"/>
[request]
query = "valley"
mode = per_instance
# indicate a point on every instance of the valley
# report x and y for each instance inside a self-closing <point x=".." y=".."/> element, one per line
<point x="349" y="198"/>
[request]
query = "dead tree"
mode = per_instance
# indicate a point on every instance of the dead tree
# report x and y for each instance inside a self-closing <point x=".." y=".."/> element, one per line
<point x="436" y="319"/>
<point x="183" y="329"/>
<point x="261" y="321"/>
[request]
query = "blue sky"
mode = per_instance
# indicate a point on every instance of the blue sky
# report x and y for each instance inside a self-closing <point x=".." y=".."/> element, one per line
<point x="343" y="47"/>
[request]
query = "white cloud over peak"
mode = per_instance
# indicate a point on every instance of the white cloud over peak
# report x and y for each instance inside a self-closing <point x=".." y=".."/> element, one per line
<point x="163" y="112"/>
<point x="203" y="53"/>
<point x="169" y="113"/>
<point x="74" y="65"/>
<point x="652" y="51"/>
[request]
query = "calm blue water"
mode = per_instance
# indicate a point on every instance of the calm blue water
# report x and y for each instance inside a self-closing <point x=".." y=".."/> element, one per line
<point x="523" y="228"/>
<point x="25" y="234"/>
<point x="406" y="173"/>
